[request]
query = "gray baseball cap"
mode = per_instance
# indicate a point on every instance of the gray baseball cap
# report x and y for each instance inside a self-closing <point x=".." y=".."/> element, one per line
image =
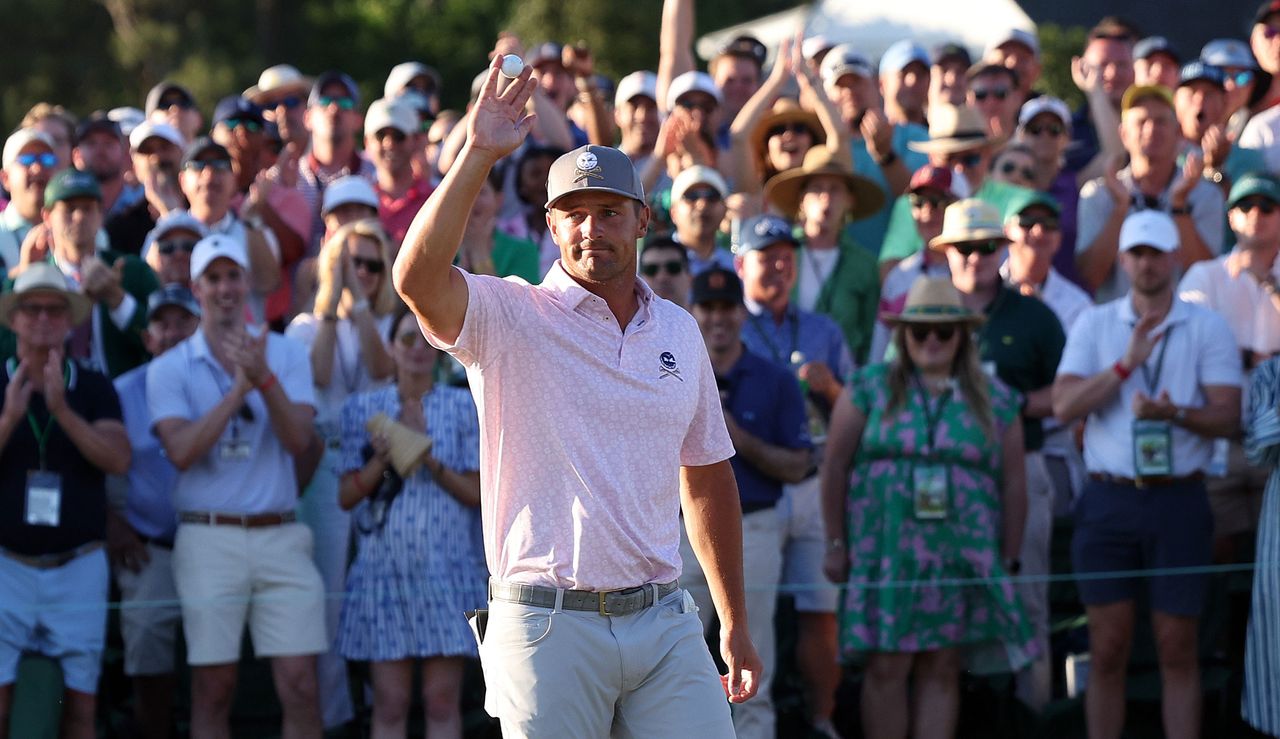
<point x="591" y="167"/>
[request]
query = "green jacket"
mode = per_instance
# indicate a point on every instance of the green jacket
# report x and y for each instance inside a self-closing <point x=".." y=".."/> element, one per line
<point x="123" y="348"/>
<point x="850" y="295"/>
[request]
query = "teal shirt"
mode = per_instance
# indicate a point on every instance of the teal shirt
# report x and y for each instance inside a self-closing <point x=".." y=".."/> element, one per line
<point x="903" y="239"/>
<point x="870" y="231"/>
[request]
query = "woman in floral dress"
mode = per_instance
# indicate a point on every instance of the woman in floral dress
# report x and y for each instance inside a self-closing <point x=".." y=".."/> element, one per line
<point x="924" y="499"/>
<point x="420" y="561"/>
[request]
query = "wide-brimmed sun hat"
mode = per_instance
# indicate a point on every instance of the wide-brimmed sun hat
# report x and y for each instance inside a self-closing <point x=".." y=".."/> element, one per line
<point x="933" y="300"/>
<point x="786" y="188"/>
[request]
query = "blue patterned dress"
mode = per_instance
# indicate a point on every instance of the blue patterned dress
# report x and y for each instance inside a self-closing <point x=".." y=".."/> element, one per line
<point x="415" y="576"/>
<point x="1261" y="699"/>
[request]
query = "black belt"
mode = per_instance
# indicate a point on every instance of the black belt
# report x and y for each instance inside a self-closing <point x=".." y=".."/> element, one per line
<point x="1151" y="481"/>
<point x="605" y="602"/>
<point x="52" y="561"/>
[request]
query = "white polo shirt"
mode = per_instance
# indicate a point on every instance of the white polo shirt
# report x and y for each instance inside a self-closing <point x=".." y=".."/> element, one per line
<point x="1248" y="309"/>
<point x="1200" y="351"/>
<point x="583" y="429"/>
<point x="187" y="382"/>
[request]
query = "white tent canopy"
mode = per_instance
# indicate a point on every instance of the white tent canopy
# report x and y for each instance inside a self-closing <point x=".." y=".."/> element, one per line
<point x="872" y="25"/>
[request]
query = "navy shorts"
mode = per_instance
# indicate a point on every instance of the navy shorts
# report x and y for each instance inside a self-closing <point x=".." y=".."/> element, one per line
<point x="1124" y="528"/>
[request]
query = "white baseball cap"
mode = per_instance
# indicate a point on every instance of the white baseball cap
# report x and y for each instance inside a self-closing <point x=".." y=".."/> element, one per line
<point x="698" y="175"/>
<point x="349" y="189"/>
<point x="1153" y="228"/>
<point x="842" y="60"/>
<point x="402" y="74"/>
<point x="217" y="246"/>
<point x="642" y="82"/>
<point x="692" y="82"/>
<point x="174" y="220"/>
<point x="814" y="45"/>
<point x="395" y="113"/>
<point x="1016" y="36"/>
<point x="152" y="129"/>
<point x="1044" y="104"/>
<point x="19" y="140"/>
<point x="128" y="118"/>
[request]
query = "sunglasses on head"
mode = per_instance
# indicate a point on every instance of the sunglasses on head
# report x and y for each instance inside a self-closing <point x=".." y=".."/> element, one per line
<point x="52" y="310"/>
<point x="200" y="165"/>
<point x="1048" y="223"/>
<point x="920" y="200"/>
<point x="167" y="248"/>
<point x="999" y="93"/>
<point x="372" y="266"/>
<point x="346" y="102"/>
<point x="920" y="331"/>
<point x="982" y="247"/>
<point x="793" y="128"/>
<point x="1053" y="129"/>
<point x="44" y="159"/>
<point x="1266" y="206"/>
<point x="1009" y="168"/>
<point x="248" y="125"/>
<point x="672" y="268"/>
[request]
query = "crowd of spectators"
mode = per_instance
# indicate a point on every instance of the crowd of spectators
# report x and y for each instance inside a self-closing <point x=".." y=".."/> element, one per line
<point x="939" y="304"/>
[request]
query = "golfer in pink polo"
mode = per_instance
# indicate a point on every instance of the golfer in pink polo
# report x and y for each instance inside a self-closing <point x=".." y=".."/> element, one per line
<point x="599" y="420"/>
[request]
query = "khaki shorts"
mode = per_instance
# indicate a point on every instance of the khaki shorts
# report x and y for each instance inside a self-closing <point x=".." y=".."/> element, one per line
<point x="1236" y="499"/>
<point x="149" y="614"/>
<point x="228" y="576"/>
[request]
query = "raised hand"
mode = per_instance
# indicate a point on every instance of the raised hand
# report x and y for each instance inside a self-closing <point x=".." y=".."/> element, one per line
<point x="1111" y="178"/>
<point x="55" y="392"/>
<point x="878" y="132"/>
<point x="1142" y="341"/>
<point x="1192" y="171"/>
<point x="498" y="122"/>
<point x="578" y="60"/>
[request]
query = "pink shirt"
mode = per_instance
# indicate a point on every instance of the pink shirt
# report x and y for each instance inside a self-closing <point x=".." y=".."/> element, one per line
<point x="397" y="214"/>
<point x="583" y="430"/>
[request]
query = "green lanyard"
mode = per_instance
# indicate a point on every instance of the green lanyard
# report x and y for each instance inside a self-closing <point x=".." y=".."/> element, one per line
<point x="42" y="435"/>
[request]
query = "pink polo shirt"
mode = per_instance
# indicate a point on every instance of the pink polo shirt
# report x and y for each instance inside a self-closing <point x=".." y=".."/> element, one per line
<point x="583" y="430"/>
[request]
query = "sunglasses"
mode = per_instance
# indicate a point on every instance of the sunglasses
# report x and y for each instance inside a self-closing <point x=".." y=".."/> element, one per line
<point x="705" y="107"/>
<point x="969" y="160"/>
<point x="937" y="202"/>
<point x="396" y="135"/>
<point x="703" y="193"/>
<point x="372" y="266"/>
<point x="1048" y="223"/>
<point x="1266" y="206"/>
<point x="52" y="310"/>
<point x="793" y="128"/>
<point x="672" y="268"/>
<point x="410" y="340"/>
<point x="1009" y="168"/>
<point x="920" y="332"/>
<point x="346" y="102"/>
<point x="44" y="159"/>
<point x="248" y="125"/>
<point x="999" y="93"/>
<point x="167" y="248"/>
<point x="1241" y="78"/>
<point x="200" y="165"/>
<point x="1053" y="129"/>
<point x="984" y="248"/>
<point x="290" y="102"/>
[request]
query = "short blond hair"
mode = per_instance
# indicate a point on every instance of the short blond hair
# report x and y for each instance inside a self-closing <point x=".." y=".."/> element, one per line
<point x="386" y="300"/>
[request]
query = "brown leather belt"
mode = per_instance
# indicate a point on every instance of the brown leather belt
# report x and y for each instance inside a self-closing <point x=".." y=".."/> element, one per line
<point x="52" y="561"/>
<point x="243" y="520"/>
<point x="1155" y="481"/>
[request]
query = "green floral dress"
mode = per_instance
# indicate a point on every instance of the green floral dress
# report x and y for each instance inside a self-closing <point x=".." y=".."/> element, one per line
<point x="918" y="583"/>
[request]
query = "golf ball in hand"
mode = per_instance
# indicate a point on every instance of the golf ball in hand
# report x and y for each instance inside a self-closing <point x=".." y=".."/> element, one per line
<point x="512" y="65"/>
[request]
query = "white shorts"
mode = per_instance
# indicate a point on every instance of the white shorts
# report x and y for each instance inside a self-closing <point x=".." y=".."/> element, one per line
<point x="227" y="576"/>
<point x="149" y="614"/>
<point x="804" y="545"/>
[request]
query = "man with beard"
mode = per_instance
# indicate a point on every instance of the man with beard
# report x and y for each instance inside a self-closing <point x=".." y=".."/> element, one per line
<point x="29" y="163"/>
<point x="1158" y="380"/>
<point x="100" y="150"/>
<point x="587" y="538"/>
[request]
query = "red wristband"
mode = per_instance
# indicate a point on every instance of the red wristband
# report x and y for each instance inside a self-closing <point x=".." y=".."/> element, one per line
<point x="1119" y="369"/>
<point x="267" y="383"/>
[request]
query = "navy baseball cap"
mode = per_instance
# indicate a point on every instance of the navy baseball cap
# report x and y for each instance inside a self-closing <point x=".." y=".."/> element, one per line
<point x="1198" y="70"/>
<point x="172" y="294"/>
<point x="1153" y="45"/>
<point x="716" y="285"/>
<point x="98" y="121"/>
<point x="762" y="232"/>
<point x="235" y="107"/>
<point x="329" y="78"/>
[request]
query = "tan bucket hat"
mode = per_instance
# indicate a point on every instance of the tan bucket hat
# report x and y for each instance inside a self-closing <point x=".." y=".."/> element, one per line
<point x="42" y="278"/>
<point x="784" y="189"/>
<point x="279" y="80"/>
<point x="933" y="300"/>
<point x="969" y="220"/>
<point x="785" y="110"/>
<point x="954" y="128"/>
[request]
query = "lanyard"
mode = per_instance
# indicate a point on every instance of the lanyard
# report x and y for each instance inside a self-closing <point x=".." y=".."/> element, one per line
<point x="42" y="434"/>
<point x="930" y="418"/>
<point x="1154" y="382"/>
<point x="773" y="348"/>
